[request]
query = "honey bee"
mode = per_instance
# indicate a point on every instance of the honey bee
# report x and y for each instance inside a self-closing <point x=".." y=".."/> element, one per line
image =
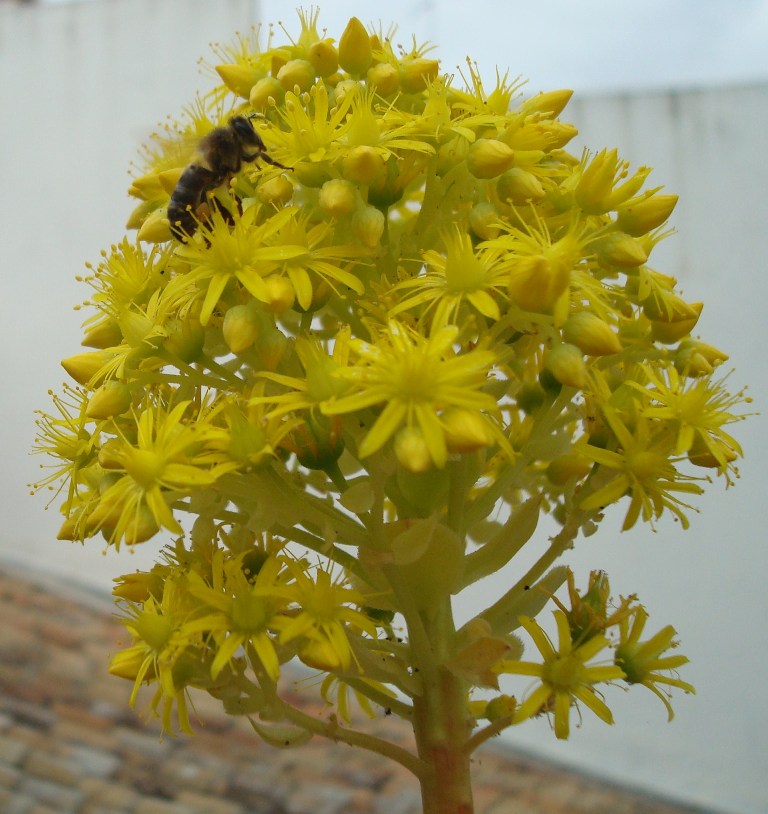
<point x="221" y="154"/>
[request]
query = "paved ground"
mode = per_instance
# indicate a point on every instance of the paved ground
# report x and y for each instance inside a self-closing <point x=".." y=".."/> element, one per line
<point x="70" y="745"/>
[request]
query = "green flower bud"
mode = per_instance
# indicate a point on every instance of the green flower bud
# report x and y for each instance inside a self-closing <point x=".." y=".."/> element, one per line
<point x="185" y="339"/>
<point x="318" y="442"/>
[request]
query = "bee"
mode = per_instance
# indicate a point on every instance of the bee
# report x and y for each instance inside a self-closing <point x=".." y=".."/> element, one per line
<point x="221" y="154"/>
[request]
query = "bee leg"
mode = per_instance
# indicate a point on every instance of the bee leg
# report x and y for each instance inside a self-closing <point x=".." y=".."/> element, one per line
<point x="273" y="163"/>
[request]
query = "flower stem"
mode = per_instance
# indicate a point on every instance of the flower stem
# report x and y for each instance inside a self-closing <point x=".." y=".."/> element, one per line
<point x="441" y="722"/>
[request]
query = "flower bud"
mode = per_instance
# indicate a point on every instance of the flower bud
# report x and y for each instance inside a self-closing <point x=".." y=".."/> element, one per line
<point x="518" y="186"/>
<point x="537" y="282"/>
<point x="141" y="526"/>
<point x="112" y="398"/>
<point x="264" y="90"/>
<point x="147" y="187"/>
<point x="129" y="664"/>
<point x="110" y="454"/>
<point x="363" y="165"/>
<point x="70" y="529"/>
<point x="355" y="54"/>
<point x="318" y="442"/>
<point x="502" y="706"/>
<point x="275" y="191"/>
<point x="465" y="431"/>
<point x="156" y="228"/>
<point x="88" y="368"/>
<point x="185" y="339"/>
<point x="368" y="225"/>
<point x="665" y="306"/>
<point x="590" y="334"/>
<point x="552" y="102"/>
<point x="566" y="364"/>
<point x="484" y="220"/>
<point x="324" y="57"/>
<point x="384" y="77"/>
<point x="416" y="74"/>
<point x="412" y="451"/>
<point x="640" y="217"/>
<point x="239" y="78"/>
<point x="676" y="329"/>
<point x="280" y="295"/>
<point x="712" y="455"/>
<point x="488" y="158"/>
<point x="170" y="178"/>
<point x="241" y="327"/>
<point x="140" y="213"/>
<point x="296" y="73"/>
<point x="338" y="198"/>
<point x="694" y="358"/>
<point x="619" y="249"/>
<point x="271" y="346"/>
<point x="104" y="334"/>
<point x="567" y="467"/>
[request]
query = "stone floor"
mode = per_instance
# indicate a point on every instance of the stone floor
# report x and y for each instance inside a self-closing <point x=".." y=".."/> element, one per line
<point x="69" y="744"/>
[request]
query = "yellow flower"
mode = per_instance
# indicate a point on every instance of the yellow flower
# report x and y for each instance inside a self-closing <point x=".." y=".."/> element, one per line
<point x="564" y="674"/>
<point x="239" y="252"/>
<point x="454" y="277"/>
<point x="244" y="609"/>
<point x="643" y="470"/>
<point x="642" y="661"/>
<point x="415" y="378"/>
<point x="697" y="410"/>
<point x="168" y="459"/>
<point x="160" y="642"/>
<point x="323" y="618"/>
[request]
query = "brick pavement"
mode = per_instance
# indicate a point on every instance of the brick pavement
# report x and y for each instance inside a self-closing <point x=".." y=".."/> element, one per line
<point x="69" y="744"/>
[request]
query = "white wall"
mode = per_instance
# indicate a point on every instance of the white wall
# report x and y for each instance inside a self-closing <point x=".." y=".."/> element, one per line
<point x="82" y="85"/>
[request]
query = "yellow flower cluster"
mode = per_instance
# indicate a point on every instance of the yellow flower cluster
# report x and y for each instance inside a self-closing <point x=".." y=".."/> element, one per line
<point x="392" y="320"/>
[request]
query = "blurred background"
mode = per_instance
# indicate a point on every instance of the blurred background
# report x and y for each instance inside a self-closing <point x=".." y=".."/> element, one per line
<point x="681" y="86"/>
